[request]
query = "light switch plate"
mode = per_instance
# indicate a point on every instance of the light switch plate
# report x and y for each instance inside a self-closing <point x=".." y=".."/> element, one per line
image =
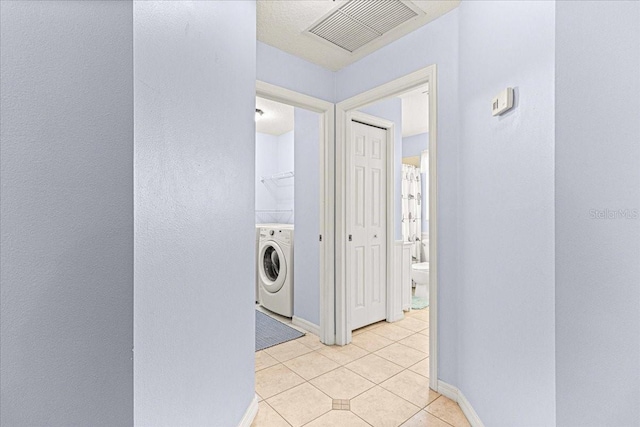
<point x="502" y="102"/>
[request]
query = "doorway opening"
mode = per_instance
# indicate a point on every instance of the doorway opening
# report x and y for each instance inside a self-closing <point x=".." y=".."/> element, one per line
<point x="291" y="226"/>
<point x="397" y="299"/>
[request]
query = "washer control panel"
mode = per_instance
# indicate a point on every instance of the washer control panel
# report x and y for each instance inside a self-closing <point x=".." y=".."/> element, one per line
<point x="279" y="235"/>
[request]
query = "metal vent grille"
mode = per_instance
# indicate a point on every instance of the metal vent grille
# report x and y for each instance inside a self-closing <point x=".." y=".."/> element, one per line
<point x="358" y="22"/>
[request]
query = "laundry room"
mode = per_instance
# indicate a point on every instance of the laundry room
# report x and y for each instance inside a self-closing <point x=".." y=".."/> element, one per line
<point x="287" y="220"/>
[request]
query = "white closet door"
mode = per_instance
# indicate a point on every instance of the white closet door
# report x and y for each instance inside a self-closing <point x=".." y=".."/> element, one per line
<point x="367" y="201"/>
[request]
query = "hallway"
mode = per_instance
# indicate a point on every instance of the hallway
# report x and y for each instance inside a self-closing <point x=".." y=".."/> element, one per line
<point x="378" y="380"/>
<point x="128" y="211"/>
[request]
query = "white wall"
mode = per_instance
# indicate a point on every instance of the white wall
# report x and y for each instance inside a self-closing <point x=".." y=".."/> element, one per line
<point x="306" y="296"/>
<point x="283" y="69"/>
<point x="435" y="43"/>
<point x="67" y="213"/>
<point x="495" y="182"/>
<point x="506" y="213"/>
<point x="266" y="165"/>
<point x="194" y="212"/>
<point x="286" y="163"/>
<point x="274" y="155"/>
<point x="597" y="168"/>
<point x="414" y="145"/>
<point x="391" y="109"/>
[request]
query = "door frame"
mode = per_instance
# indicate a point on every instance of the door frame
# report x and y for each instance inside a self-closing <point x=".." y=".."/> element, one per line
<point x="390" y="289"/>
<point x="423" y="76"/>
<point x="327" y="195"/>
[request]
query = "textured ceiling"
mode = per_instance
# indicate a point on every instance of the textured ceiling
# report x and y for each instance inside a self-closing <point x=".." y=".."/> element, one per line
<point x="277" y="118"/>
<point x="283" y="24"/>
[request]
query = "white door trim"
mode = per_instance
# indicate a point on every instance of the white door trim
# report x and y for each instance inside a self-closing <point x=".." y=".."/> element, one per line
<point x="387" y="90"/>
<point x="327" y="195"/>
<point x="390" y="287"/>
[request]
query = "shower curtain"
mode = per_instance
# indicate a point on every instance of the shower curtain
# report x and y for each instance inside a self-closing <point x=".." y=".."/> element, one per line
<point x="411" y="209"/>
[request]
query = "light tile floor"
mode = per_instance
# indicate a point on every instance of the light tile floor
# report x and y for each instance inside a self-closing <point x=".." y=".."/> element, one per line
<point x="382" y="377"/>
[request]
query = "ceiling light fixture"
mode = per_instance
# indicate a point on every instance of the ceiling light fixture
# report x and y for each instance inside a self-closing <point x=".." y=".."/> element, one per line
<point x="259" y="114"/>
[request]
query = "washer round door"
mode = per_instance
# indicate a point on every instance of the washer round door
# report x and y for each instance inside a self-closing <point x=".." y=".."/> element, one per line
<point x="272" y="266"/>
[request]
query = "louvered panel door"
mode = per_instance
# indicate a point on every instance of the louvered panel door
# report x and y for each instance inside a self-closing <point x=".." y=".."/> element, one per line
<point x="367" y="249"/>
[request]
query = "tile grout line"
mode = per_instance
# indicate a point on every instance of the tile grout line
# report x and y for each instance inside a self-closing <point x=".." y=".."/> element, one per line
<point x="367" y="353"/>
<point x="401" y="339"/>
<point x="388" y="345"/>
<point x="385" y="359"/>
<point x="365" y="421"/>
<point x="308" y="382"/>
<point x="378" y="385"/>
<point x="280" y="392"/>
<point x="403" y="369"/>
<point x="358" y="358"/>
<point x="434" y="415"/>
<point x="340" y="366"/>
<point x="305" y="381"/>
<point x="321" y="415"/>
<point x="374" y="385"/>
<point x="276" y="411"/>
<point x="390" y="391"/>
<point x="404" y="345"/>
<point x="321" y="391"/>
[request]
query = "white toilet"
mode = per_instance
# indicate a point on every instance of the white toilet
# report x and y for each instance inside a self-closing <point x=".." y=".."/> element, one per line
<point x="420" y="273"/>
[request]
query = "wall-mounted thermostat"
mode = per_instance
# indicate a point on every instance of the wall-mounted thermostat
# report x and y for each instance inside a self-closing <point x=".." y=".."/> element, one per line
<point x="502" y="102"/>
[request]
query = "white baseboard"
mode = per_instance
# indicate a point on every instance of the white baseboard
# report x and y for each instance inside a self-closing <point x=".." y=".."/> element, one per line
<point x="469" y="412"/>
<point x="250" y="413"/>
<point x="306" y="325"/>
<point x="456" y="395"/>
<point x="448" y="390"/>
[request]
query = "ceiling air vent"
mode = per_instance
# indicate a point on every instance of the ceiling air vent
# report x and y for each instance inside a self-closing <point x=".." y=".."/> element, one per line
<point x="359" y="22"/>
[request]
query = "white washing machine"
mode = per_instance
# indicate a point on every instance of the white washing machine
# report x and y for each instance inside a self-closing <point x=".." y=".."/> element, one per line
<point x="258" y="227"/>
<point x="275" y="268"/>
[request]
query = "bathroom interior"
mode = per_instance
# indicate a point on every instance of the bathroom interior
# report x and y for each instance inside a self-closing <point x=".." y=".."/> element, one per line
<point x="415" y="191"/>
